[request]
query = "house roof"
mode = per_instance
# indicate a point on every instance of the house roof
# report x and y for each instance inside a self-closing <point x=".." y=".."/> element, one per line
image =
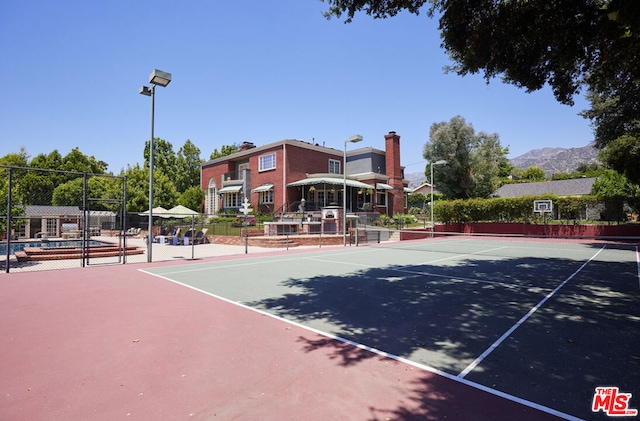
<point x="42" y="210"/>
<point x="280" y="143"/>
<point x="426" y="188"/>
<point x="573" y="187"/>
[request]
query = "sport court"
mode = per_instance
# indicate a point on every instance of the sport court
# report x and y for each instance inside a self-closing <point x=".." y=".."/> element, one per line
<point x="540" y="322"/>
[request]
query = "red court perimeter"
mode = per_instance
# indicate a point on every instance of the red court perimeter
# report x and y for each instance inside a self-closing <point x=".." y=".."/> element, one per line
<point x="109" y="343"/>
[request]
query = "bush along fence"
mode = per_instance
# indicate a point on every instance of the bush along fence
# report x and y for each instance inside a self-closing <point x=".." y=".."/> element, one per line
<point x="569" y="209"/>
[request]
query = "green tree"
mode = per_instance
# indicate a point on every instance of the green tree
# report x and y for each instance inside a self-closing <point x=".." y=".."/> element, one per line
<point x="225" y="150"/>
<point x="76" y="161"/>
<point x="530" y="43"/>
<point x="616" y="126"/>
<point x="71" y="192"/>
<point x="15" y="159"/>
<point x="192" y="198"/>
<point x="164" y="158"/>
<point x="568" y="45"/>
<point x="164" y="191"/>
<point x="188" y="167"/>
<point x="615" y="189"/>
<point x="533" y="173"/>
<point x="473" y="160"/>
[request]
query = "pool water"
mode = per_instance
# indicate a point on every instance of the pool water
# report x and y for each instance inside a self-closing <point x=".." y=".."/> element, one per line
<point x="20" y="245"/>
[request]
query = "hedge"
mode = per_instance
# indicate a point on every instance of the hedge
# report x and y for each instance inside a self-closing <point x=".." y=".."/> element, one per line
<point x="518" y="209"/>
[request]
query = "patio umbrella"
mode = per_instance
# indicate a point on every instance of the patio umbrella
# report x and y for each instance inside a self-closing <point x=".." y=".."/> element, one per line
<point x="179" y="212"/>
<point x="157" y="211"/>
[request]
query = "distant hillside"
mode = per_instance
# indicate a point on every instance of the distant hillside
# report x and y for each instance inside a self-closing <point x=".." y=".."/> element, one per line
<point x="555" y="160"/>
<point x="415" y="179"/>
<point x="551" y="160"/>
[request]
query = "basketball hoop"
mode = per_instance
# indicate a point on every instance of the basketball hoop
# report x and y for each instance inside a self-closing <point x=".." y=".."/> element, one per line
<point x="542" y="206"/>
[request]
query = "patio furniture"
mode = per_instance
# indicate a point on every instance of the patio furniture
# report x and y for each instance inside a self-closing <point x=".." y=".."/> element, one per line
<point x="201" y="236"/>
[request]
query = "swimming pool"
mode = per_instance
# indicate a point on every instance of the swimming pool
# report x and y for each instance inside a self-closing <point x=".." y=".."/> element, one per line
<point x="20" y="245"/>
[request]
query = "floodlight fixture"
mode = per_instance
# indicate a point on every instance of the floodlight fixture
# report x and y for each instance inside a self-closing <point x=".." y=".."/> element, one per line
<point x="160" y="78"/>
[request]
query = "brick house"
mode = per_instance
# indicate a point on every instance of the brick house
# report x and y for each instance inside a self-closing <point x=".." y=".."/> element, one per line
<point x="280" y="177"/>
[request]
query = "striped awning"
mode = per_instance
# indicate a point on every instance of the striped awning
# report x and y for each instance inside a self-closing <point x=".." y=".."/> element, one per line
<point x="382" y="186"/>
<point x="263" y="187"/>
<point x="330" y="180"/>
<point x="230" y="189"/>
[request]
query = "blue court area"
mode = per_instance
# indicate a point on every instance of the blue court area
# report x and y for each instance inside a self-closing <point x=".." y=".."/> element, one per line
<point x="541" y="321"/>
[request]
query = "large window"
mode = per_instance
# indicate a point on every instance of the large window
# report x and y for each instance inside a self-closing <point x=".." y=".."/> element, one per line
<point x="267" y="162"/>
<point x="381" y="198"/>
<point x="334" y="166"/>
<point x="52" y="226"/>
<point x="266" y="197"/>
<point x="211" y="202"/>
<point x="241" y="168"/>
<point x="231" y="200"/>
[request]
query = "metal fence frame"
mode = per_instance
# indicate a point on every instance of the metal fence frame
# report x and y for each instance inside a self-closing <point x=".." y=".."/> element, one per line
<point x="85" y="228"/>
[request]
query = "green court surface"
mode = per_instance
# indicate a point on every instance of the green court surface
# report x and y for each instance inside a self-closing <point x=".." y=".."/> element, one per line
<point x="542" y="321"/>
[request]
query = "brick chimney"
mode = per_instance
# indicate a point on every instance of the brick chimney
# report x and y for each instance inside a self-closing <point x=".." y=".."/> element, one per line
<point x="394" y="172"/>
<point x="246" y="146"/>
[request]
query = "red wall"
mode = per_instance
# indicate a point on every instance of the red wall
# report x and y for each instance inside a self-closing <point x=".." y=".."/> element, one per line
<point x="299" y="162"/>
<point x="533" y="230"/>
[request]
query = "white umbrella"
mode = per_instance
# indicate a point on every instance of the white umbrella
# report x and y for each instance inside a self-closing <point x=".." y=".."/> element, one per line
<point x="179" y="212"/>
<point x="157" y="211"/>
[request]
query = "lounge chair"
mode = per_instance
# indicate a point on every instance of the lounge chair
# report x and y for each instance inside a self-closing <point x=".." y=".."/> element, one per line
<point x="173" y="237"/>
<point x="201" y="236"/>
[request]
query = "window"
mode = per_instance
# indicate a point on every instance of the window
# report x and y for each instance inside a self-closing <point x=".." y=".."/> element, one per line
<point x="381" y="198"/>
<point x="334" y="166"/>
<point x="231" y="200"/>
<point x="266" y="196"/>
<point x="267" y="162"/>
<point x="241" y="168"/>
<point x="52" y="226"/>
<point x="211" y="202"/>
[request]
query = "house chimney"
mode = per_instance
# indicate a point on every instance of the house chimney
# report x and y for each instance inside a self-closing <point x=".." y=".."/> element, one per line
<point x="246" y="146"/>
<point x="394" y="172"/>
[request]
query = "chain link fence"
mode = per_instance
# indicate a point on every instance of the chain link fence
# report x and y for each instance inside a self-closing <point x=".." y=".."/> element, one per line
<point x="51" y="219"/>
<point x="60" y="219"/>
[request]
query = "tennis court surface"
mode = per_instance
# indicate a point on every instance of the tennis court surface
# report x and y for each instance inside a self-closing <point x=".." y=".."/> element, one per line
<point x="455" y="327"/>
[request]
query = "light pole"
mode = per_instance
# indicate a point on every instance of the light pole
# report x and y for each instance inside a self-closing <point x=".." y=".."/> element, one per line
<point x="431" y="164"/>
<point x="157" y="78"/>
<point x="353" y="139"/>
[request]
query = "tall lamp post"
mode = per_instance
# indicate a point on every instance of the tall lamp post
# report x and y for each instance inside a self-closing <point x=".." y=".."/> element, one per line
<point x="431" y="164"/>
<point x="353" y="139"/>
<point x="157" y="78"/>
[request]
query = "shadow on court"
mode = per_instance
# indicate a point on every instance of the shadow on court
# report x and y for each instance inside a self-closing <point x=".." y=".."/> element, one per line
<point x="444" y="317"/>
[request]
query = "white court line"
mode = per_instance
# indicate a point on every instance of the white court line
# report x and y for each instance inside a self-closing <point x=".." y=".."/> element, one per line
<point x="376" y="351"/>
<point x="638" y="264"/>
<point x="436" y="275"/>
<point x="493" y="346"/>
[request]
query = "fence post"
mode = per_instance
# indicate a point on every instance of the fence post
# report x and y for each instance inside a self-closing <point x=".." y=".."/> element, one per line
<point x="85" y="229"/>
<point x="123" y="220"/>
<point x="8" y="221"/>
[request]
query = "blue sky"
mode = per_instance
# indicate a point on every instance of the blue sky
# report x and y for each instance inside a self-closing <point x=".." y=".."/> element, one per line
<point x="250" y="70"/>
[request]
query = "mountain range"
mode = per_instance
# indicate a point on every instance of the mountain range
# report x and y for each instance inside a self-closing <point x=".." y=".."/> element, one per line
<point x="551" y="160"/>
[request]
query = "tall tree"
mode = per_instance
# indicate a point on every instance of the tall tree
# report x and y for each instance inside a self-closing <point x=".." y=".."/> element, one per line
<point x="529" y="43"/>
<point x="78" y="162"/>
<point x="188" y="167"/>
<point x="567" y="45"/>
<point x="533" y="173"/>
<point x="164" y="158"/>
<point x="473" y="160"/>
<point x="616" y="126"/>
<point x="224" y="151"/>
<point x="164" y="191"/>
